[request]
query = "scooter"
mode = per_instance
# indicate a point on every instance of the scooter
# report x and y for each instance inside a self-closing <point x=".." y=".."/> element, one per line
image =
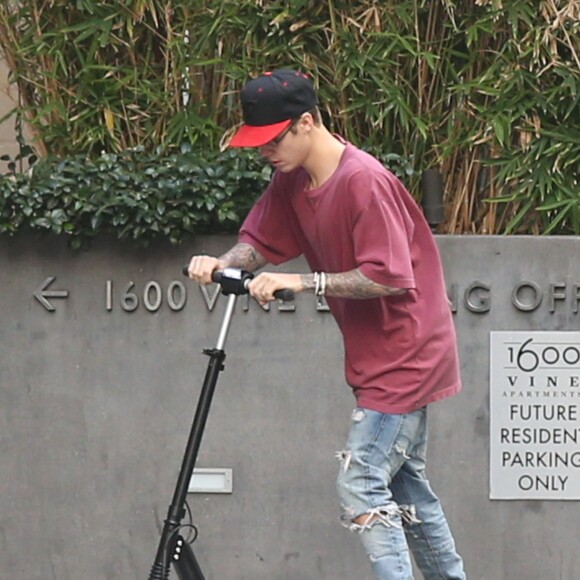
<point x="173" y="547"/>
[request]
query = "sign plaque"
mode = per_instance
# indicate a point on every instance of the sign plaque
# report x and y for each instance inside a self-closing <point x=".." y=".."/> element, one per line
<point x="534" y="415"/>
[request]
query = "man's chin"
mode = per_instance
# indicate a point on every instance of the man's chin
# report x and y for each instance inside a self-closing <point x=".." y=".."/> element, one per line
<point x="282" y="167"/>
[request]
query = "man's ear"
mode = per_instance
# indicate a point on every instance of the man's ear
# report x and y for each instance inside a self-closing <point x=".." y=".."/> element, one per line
<point x="307" y="121"/>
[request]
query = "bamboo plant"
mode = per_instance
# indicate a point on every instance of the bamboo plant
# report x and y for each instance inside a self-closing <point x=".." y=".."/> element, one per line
<point x="487" y="92"/>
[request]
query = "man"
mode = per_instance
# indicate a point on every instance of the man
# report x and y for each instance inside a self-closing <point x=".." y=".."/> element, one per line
<point x="375" y="260"/>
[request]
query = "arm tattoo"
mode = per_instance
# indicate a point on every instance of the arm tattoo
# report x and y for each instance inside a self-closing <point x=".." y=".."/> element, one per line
<point x="352" y="284"/>
<point x="307" y="282"/>
<point x="243" y="256"/>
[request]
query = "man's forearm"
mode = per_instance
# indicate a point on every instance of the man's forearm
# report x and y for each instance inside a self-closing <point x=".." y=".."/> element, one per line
<point x="243" y="256"/>
<point x="351" y="284"/>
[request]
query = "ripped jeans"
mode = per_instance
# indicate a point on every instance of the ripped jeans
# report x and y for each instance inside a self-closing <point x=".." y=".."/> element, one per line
<point x="383" y="474"/>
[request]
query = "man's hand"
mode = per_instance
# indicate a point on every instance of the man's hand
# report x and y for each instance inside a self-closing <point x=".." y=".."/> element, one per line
<point x="242" y="256"/>
<point x="263" y="286"/>
<point x="201" y="268"/>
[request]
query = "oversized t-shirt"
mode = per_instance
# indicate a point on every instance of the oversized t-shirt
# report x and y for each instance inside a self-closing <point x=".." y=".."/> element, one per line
<point x="400" y="350"/>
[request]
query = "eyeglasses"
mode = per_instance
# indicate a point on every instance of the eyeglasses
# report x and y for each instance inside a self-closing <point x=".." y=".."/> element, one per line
<point x="277" y="140"/>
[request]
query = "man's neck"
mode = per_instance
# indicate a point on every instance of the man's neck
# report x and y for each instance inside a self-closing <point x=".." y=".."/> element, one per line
<point x="324" y="157"/>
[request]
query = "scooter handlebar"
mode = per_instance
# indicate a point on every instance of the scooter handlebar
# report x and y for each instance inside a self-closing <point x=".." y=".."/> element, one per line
<point x="235" y="281"/>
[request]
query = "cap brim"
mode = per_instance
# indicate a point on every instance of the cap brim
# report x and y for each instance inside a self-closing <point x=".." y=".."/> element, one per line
<point x="253" y="136"/>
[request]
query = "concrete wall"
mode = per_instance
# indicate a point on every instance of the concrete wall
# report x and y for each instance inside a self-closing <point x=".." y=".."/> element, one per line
<point x="96" y="403"/>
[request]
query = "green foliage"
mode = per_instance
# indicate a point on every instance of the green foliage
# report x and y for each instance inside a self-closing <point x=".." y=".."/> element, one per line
<point x="487" y="92"/>
<point x="539" y="185"/>
<point x="133" y="195"/>
<point x="518" y="112"/>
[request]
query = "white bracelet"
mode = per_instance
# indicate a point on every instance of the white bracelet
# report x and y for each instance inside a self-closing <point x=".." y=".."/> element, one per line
<point x="320" y="286"/>
<point x="316" y="283"/>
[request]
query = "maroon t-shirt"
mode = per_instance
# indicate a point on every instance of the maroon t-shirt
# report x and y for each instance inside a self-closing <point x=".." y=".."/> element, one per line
<point x="400" y="351"/>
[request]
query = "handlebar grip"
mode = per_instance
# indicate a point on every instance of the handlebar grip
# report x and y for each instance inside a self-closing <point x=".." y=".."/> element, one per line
<point x="217" y="276"/>
<point x="284" y="294"/>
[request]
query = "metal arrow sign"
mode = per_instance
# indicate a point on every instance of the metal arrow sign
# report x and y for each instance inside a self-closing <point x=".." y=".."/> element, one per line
<point x="41" y="293"/>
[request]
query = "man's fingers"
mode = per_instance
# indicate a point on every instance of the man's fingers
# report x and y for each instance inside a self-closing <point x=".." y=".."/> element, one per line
<point x="263" y="286"/>
<point x="201" y="268"/>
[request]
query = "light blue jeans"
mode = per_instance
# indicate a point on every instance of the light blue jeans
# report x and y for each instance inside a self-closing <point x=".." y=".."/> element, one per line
<point x="382" y="474"/>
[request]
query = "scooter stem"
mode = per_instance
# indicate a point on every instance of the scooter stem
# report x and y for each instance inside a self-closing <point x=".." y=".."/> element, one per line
<point x="172" y="548"/>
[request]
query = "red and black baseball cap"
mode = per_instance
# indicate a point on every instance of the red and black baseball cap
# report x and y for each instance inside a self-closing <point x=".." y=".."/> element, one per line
<point x="270" y="103"/>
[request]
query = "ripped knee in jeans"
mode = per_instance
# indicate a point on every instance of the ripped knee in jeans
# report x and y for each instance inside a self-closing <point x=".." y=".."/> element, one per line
<point x="391" y="515"/>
